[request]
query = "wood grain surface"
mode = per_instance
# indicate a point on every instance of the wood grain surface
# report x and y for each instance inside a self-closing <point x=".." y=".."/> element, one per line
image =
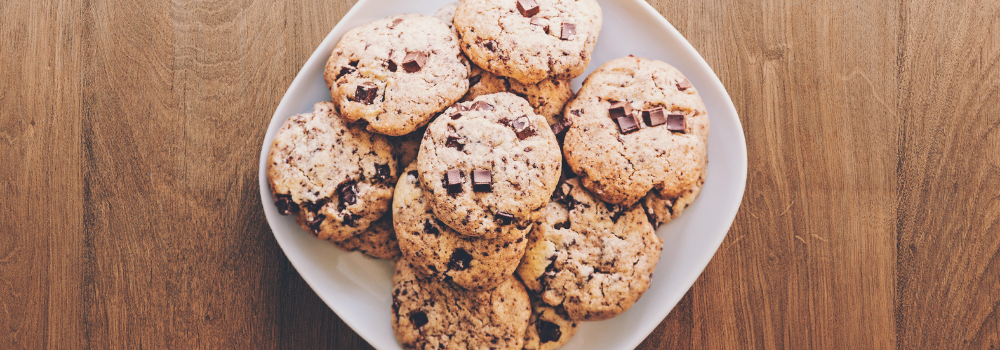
<point x="130" y="214"/>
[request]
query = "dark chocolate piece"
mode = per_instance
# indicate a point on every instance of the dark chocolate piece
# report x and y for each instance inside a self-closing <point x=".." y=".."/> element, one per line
<point x="558" y="128"/>
<point x="620" y="109"/>
<point x="627" y="124"/>
<point x="548" y="331"/>
<point x="455" y="142"/>
<point x="382" y="172"/>
<point x="654" y="117"/>
<point x="351" y="220"/>
<point x="475" y="80"/>
<point x="414" y="61"/>
<point x="490" y="45"/>
<point x="390" y="65"/>
<point x="315" y="207"/>
<point x="430" y="228"/>
<point x="522" y="127"/>
<point x="684" y="84"/>
<point x="455" y="116"/>
<point x="348" y="192"/>
<point x="395" y="22"/>
<point x="345" y="70"/>
<point x="454" y="179"/>
<point x="568" y="30"/>
<point x="316" y="222"/>
<point x="418" y="319"/>
<point x="527" y="8"/>
<point x="460" y="260"/>
<point x="482" y="181"/>
<point x="285" y="204"/>
<point x="481" y="106"/>
<point x="675" y="122"/>
<point x="366" y="93"/>
<point x="504" y="218"/>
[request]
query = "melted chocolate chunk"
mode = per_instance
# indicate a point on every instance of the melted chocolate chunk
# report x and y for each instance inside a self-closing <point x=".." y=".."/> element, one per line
<point x="454" y="180"/>
<point x="675" y="122"/>
<point x="455" y="116"/>
<point x="315" y="223"/>
<point x="527" y="8"/>
<point x="481" y="106"/>
<point x="548" y="331"/>
<point x="418" y="319"/>
<point x="523" y="127"/>
<point x="654" y="117"/>
<point x="568" y="30"/>
<point x="351" y="220"/>
<point x="490" y="45"/>
<point x="414" y="61"/>
<point x="345" y="70"/>
<point x="366" y="93"/>
<point x="504" y="218"/>
<point x="285" y="204"/>
<point x="455" y="142"/>
<point x="315" y="207"/>
<point x="460" y="260"/>
<point x="395" y="22"/>
<point x="430" y="228"/>
<point x="482" y="181"/>
<point x="684" y="84"/>
<point x="348" y="193"/>
<point x="382" y="172"/>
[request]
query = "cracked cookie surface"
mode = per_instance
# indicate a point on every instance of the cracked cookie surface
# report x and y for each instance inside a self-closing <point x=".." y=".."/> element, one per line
<point x="430" y="314"/>
<point x="500" y="135"/>
<point x="593" y="259"/>
<point x="556" y="41"/>
<point x="621" y="166"/>
<point x="378" y="242"/>
<point x="396" y="73"/>
<point x="436" y="250"/>
<point x="547" y="97"/>
<point x="336" y="178"/>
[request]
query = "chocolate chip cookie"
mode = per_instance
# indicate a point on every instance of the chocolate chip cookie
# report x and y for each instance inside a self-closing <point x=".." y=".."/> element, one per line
<point x="397" y="73"/>
<point x="436" y="250"/>
<point x="549" y="327"/>
<point x="379" y="241"/>
<point x="490" y="165"/>
<point x="662" y="206"/>
<point x="431" y="314"/>
<point x="548" y="97"/>
<point x="407" y="146"/>
<point x="336" y="178"/>
<point x="529" y="40"/>
<point x="591" y="258"/>
<point x="637" y="125"/>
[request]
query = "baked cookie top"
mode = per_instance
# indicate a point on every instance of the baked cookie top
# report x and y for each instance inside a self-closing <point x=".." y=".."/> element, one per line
<point x="396" y="73"/>
<point x="637" y="124"/>
<point x="378" y="242"/>
<point x="549" y="327"/>
<point x="436" y="250"/>
<point x="591" y="258"/>
<point x="547" y="97"/>
<point x="336" y="178"/>
<point x="529" y="40"/>
<point x="490" y="165"/>
<point x="430" y="314"/>
<point x="662" y="207"/>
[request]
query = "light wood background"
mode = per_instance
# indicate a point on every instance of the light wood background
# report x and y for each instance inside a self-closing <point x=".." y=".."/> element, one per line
<point x="130" y="215"/>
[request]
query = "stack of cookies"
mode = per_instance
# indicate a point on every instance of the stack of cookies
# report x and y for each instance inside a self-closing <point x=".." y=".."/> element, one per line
<point x="514" y="208"/>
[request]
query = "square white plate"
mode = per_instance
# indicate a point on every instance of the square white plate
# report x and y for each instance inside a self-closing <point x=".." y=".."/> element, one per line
<point x="358" y="288"/>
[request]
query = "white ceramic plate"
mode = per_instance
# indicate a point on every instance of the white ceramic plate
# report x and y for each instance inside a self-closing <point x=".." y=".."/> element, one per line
<point x="358" y="288"/>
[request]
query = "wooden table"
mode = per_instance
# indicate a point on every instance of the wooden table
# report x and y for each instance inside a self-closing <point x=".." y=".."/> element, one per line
<point x="130" y="213"/>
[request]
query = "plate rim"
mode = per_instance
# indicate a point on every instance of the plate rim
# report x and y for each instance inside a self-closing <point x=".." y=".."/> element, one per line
<point x="644" y="330"/>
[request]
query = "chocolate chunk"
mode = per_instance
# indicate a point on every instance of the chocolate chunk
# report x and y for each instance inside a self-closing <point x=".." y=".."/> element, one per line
<point x="455" y="116"/>
<point x="418" y="319"/>
<point x="460" y="260"/>
<point x="455" y="142"/>
<point x="577" y="112"/>
<point x="654" y="117"/>
<point x="561" y="225"/>
<point x="527" y="8"/>
<point x="454" y="179"/>
<point x="366" y="93"/>
<point x="504" y="218"/>
<point x="538" y="21"/>
<point x="315" y="207"/>
<point x="391" y="65"/>
<point x="414" y="61"/>
<point x="482" y="181"/>
<point x="558" y="128"/>
<point x="548" y="331"/>
<point x="620" y="109"/>
<point x="353" y="63"/>
<point x="568" y="30"/>
<point x="285" y="204"/>
<point x="315" y="223"/>
<point x="413" y="173"/>
<point x="475" y="80"/>
<point x="351" y="220"/>
<point x="490" y="45"/>
<point x="430" y="228"/>
<point x="345" y="70"/>
<point x="675" y="122"/>
<point x="627" y="124"/>
<point x="395" y="22"/>
<point x="382" y="172"/>
<point x="348" y="192"/>
<point x="523" y="127"/>
<point x="481" y="106"/>
<point x="684" y="84"/>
